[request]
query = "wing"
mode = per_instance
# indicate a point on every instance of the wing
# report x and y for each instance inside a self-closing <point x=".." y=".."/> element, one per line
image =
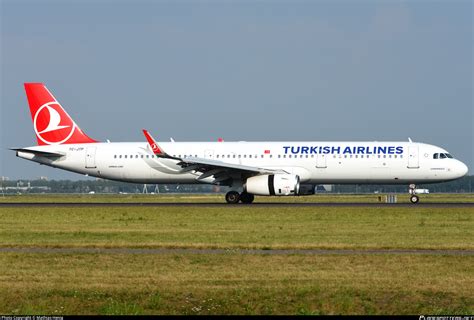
<point x="220" y="171"/>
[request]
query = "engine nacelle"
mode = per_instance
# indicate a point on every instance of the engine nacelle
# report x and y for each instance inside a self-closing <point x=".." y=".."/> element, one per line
<point x="273" y="185"/>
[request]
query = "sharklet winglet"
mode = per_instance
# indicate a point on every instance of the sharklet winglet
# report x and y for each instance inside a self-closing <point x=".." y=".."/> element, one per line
<point x="157" y="150"/>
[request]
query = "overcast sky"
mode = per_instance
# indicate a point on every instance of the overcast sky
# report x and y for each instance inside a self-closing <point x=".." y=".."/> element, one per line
<point x="269" y="70"/>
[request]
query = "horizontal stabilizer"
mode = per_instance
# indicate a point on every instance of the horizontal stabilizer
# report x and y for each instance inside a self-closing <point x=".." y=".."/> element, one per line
<point x="39" y="153"/>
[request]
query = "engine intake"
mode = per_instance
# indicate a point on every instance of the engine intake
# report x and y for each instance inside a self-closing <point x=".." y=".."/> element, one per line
<point x="273" y="185"/>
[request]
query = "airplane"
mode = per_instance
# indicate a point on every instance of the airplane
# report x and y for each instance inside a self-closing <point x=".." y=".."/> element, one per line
<point x="248" y="168"/>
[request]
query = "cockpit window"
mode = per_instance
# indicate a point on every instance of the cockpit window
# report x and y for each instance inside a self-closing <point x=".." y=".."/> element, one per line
<point x="442" y="156"/>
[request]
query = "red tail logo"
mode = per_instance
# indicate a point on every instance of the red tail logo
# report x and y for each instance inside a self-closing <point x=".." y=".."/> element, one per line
<point x="154" y="146"/>
<point x="51" y="122"/>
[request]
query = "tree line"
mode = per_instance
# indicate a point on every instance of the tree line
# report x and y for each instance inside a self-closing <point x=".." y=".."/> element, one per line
<point x="463" y="185"/>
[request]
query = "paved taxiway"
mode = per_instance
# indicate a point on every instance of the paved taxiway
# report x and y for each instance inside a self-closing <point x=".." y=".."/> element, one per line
<point x="239" y="251"/>
<point x="259" y="204"/>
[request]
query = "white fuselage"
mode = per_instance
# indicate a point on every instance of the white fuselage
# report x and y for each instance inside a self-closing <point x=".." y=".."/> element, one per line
<point x="313" y="162"/>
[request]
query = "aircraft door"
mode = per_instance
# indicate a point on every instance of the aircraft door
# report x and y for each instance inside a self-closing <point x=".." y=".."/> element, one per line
<point x="321" y="160"/>
<point x="209" y="154"/>
<point x="413" y="158"/>
<point x="90" y="157"/>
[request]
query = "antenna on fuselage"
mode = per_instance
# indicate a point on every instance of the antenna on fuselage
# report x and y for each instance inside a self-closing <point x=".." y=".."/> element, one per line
<point x="409" y="140"/>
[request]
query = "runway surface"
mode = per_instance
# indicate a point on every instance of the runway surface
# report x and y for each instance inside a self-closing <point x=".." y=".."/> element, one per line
<point x="239" y="251"/>
<point x="256" y="205"/>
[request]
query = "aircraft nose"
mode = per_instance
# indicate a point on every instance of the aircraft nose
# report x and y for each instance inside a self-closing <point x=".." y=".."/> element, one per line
<point x="461" y="169"/>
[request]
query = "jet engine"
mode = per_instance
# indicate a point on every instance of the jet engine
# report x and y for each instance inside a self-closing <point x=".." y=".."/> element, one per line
<point x="273" y="185"/>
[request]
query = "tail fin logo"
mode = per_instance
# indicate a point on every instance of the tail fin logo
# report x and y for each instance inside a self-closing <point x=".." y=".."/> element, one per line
<point x="52" y="125"/>
<point x="154" y="147"/>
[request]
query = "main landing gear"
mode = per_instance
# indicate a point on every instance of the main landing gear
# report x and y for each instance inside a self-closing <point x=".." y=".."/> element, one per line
<point x="233" y="197"/>
<point x="413" y="197"/>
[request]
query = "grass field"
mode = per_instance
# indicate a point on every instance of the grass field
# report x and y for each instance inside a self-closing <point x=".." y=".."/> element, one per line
<point x="219" y="198"/>
<point x="236" y="283"/>
<point x="239" y="227"/>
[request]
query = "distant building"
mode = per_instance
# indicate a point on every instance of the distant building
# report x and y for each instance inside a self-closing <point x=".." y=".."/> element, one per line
<point x="324" y="188"/>
<point x="328" y="187"/>
<point x="43" y="178"/>
<point x="4" y="179"/>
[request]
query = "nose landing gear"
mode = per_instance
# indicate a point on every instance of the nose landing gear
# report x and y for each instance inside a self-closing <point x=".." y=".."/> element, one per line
<point x="413" y="197"/>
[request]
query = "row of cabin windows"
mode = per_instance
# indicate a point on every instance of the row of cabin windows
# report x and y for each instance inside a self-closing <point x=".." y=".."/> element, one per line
<point x="435" y="156"/>
<point x="442" y="156"/>
<point x="136" y="156"/>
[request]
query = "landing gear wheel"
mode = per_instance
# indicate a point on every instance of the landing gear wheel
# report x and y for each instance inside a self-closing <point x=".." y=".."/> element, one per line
<point x="246" y="198"/>
<point x="232" y="197"/>
<point x="414" y="199"/>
